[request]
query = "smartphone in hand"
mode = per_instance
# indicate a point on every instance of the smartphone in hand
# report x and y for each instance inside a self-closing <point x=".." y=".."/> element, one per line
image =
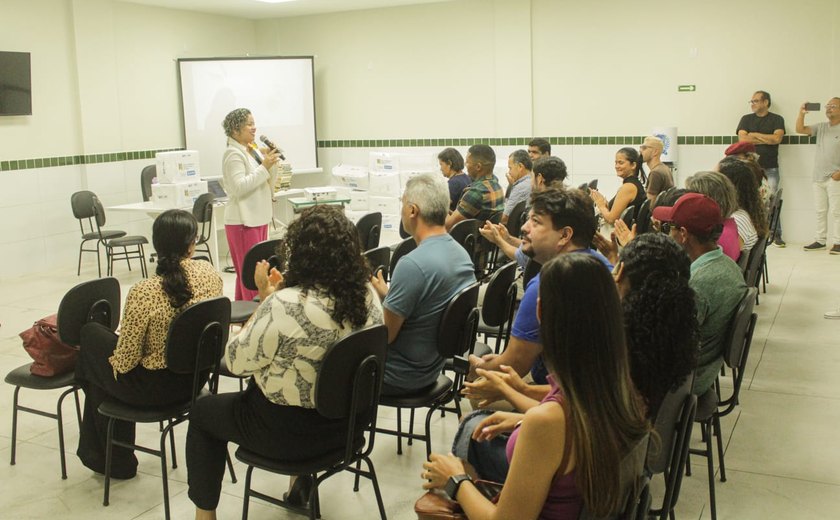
<point x="812" y="107"/>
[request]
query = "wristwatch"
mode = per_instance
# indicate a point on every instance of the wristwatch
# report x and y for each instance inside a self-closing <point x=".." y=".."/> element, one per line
<point x="452" y="485"/>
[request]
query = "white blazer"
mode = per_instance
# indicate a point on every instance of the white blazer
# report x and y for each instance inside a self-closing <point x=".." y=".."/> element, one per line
<point x="249" y="187"/>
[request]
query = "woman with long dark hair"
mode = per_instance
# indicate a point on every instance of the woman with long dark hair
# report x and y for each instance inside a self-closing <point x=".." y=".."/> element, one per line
<point x="752" y="211"/>
<point x="131" y="367"/>
<point x="660" y="316"/>
<point x="322" y="294"/>
<point x="628" y="166"/>
<point x="565" y="452"/>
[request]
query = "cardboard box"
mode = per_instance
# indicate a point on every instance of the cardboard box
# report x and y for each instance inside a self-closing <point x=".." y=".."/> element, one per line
<point x="351" y="176"/>
<point x="178" y="195"/>
<point x="177" y="166"/>
<point x="390" y="222"/>
<point x="385" y="184"/>
<point x="359" y="201"/>
<point x="384" y="205"/>
<point x="384" y="162"/>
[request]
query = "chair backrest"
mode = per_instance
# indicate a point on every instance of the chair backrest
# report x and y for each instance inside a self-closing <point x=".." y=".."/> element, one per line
<point x="403" y="248"/>
<point x="196" y="338"/>
<point x="147" y="178"/>
<point x="755" y="263"/>
<point x="93" y="301"/>
<point x="514" y="221"/>
<point x="667" y="427"/>
<point x="532" y="268"/>
<point x="459" y="323"/>
<point x="203" y="213"/>
<point x="495" y="308"/>
<point x="643" y="218"/>
<point x="379" y="258"/>
<point x="744" y="261"/>
<point x="633" y="481"/>
<point x="775" y="212"/>
<point x="629" y="215"/>
<point x="87" y="208"/>
<point x="369" y="228"/>
<point x="466" y="234"/>
<point x="403" y="232"/>
<point x="739" y="330"/>
<point x="260" y="251"/>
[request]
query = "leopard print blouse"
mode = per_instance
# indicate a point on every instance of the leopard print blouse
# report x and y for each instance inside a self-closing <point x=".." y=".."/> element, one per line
<point x="148" y="314"/>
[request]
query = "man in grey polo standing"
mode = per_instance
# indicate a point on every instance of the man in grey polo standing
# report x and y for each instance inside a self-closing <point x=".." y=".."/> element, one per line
<point x="826" y="173"/>
<point x="765" y="130"/>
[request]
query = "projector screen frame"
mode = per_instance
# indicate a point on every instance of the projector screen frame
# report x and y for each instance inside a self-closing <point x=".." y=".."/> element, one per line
<point x="311" y="59"/>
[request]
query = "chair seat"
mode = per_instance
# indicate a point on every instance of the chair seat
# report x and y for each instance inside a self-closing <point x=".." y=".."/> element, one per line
<point x="422" y="397"/>
<point x="106" y="234"/>
<point x="132" y="240"/>
<point x="304" y="467"/>
<point x="240" y="311"/>
<point x="21" y="376"/>
<point x="707" y="404"/>
<point x="126" y="412"/>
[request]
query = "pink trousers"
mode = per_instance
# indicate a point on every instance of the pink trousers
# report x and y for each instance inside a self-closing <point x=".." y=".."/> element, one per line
<point x="240" y="239"/>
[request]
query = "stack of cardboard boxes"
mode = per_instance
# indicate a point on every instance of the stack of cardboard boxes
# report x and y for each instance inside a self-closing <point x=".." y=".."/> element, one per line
<point x="179" y="181"/>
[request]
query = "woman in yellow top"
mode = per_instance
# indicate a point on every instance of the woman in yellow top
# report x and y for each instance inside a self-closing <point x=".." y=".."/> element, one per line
<point x="131" y="367"/>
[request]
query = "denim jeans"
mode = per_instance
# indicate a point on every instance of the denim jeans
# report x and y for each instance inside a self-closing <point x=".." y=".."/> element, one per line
<point x="489" y="458"/>
<point x="774" y="180"/>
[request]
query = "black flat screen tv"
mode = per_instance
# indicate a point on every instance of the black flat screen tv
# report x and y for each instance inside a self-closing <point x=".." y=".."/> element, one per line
<point x="15" y="84"/>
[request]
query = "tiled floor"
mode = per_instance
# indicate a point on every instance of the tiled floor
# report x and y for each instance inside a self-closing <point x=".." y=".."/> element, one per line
<point x="783" y="458"/>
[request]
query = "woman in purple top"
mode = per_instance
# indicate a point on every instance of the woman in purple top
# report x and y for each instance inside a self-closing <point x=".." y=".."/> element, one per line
<point x="564" y="453"/>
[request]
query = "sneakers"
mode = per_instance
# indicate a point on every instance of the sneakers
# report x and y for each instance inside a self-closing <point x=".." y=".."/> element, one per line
<point x="779" y="242"/>
<point x="835" y="249"/>
<point x="832" y="315"/>
<point x="816" y="246"/>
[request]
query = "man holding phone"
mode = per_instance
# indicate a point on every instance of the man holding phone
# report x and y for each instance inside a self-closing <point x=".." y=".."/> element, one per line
<point x="826" y="172"/>
<point x="765" y="130"/>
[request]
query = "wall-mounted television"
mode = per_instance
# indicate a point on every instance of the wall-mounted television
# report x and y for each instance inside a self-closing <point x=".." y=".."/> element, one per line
<point x="15" y="84"/>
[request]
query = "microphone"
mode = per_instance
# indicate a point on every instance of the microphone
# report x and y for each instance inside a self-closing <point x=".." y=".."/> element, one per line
<point x="273" y="146"/>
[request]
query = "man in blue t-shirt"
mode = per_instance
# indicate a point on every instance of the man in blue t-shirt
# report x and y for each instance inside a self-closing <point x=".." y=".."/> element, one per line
<point x="423" y="283"/>
<point x="561" y="221"/>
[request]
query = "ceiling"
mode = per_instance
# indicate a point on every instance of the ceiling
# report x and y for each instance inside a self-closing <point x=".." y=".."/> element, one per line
<point x="257" y="10"/>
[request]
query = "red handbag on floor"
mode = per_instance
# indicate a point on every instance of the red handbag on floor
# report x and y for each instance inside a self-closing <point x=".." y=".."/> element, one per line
<point x="51" y="356"/>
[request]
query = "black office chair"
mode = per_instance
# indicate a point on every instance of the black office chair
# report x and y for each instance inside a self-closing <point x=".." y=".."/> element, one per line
<point x="643" y="218"/>
<point x="379" y="259"/>
<point x="755" y="265"/>
<point x="403" y="248"/>
<point x="347" y="387"/>
<point x="94" y="301"/>
<point x="668" y="456"/>
<point x="629" y="216"/>
<point x="242" y="310"/>
<point x="498" y="308"/>
<point x="203" y="213"/>
<point x="710" y="406"/>
<point x="455" y="338"/>
<point x="369" y="228"/>
<point x="194" y="346"/>
<point x="147" y="178"/>
<point x="634" y="483"/>
<point x="403" y="232"/>
<point x="775" y="215"/>
<point x="466" y="233"/>
<point x="514" y="229"/>
<point x="82" y="205"/>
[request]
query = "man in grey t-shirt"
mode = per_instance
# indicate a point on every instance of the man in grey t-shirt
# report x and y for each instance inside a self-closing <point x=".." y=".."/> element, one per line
<point x="423" y="283"/>
<point x="826" y="173"/>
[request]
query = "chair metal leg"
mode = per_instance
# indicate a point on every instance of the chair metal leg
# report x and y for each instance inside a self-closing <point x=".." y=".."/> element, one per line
<point x="247" y="496"/>
<point x="60" y="419"/>
<point x="357" y="476"/>
<point x="411" y="427"/>
<point x="710" y="462"/>
<point x="14" y="424"/>
<point x="399" y="431"/>
<point x="375" y="488"/>
<point x="230" y="466"/>
<point x="716" y="424"/>
<point x="163" y="469"/>
<point x="109" y="448"/>
<point x="428" y="437"/>
<point x="127" y="258"/>
<point x="172" y="444"/>
<point x="78" y="407"/>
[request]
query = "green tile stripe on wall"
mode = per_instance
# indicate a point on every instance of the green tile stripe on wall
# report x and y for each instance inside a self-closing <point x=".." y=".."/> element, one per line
<point x="523" y="141"/>
<point x="72" y="160"/>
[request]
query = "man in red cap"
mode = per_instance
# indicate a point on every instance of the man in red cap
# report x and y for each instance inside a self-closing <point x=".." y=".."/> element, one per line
<point x="695" y="223"/>
<point x="764" y="130"/>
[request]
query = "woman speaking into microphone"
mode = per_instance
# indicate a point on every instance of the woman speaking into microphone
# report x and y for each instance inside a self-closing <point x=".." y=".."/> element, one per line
<point x="249" y="175"/>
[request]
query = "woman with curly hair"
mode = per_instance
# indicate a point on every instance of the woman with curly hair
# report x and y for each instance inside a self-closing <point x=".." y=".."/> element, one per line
<point x="660" y="316"/>
<point x="322" y="295"/>
<point x="751" y="209"/>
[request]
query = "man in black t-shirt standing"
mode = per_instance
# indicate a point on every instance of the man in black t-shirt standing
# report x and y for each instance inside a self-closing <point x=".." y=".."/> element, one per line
<point x="765" y="130"/>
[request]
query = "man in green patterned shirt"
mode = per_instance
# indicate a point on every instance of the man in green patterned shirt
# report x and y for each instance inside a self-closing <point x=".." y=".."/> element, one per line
<point x="484" y="199"/>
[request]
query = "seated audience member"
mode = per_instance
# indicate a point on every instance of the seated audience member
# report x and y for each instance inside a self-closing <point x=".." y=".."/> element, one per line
<point x="565" y="452"/>
<point x="721" y="190"/>
<point x="560" y="221"/>
<point x="322" y="295"/>
<point x="519" y="176"/>
<point x="423" y="283"/>
<point x="539" y="148"/>
<point x="131" y="367"/>
<point x="484" y="198"/>
<point x="628" y="166"/>
<point x="452" y="167"/>
<point x="746" y="152"/>
<point x="695" y="222"/>
<point x="659" y="176"/>
<point x="548" y="171"/>
<point x="660" y="315"/>
<point x="751" y="212"/>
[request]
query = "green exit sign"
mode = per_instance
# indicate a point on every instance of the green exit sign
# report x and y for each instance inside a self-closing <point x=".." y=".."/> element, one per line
<point x="686" y="88"/>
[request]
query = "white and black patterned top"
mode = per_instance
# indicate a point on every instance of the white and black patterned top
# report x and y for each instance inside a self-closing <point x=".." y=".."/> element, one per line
<point x="283" y="343"/>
